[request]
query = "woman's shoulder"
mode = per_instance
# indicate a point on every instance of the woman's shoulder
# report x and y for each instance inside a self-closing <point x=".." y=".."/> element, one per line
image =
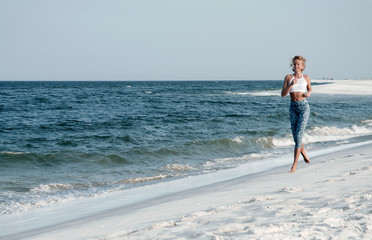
<point x="288" y="77"/>
<point x="307" y="77"/>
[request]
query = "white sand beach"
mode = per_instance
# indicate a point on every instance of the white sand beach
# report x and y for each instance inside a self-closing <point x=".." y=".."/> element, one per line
<point x="344" y="87"/>
<point x="331" y="198"/>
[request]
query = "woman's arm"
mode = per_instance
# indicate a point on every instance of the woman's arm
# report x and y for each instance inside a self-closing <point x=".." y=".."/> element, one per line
<point x="309" y="89"/>
<point x="287" y="85"/>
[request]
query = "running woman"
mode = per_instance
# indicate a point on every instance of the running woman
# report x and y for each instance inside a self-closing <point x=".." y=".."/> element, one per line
<point x="299" y="88"/>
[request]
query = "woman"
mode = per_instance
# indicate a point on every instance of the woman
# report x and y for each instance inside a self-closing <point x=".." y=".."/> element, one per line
<point x="299" y="87"/>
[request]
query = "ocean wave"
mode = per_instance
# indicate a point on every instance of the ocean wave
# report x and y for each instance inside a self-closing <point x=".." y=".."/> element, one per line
<point x="240" y="144"/>
<point x="332" y="133"/>
<point x="319" y="134"/>
<point x="38" y="160"/>
<point x="222" y="145"/>
<point x="196" y="147"/>
<point x="113" y="159"/>
<point x="272" y="142"/>
<point x="222" y="141"/>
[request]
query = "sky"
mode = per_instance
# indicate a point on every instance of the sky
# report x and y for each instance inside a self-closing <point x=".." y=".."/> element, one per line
<point x="183" y="39"/>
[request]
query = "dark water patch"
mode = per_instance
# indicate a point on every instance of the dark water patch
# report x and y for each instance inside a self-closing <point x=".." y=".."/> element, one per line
<point x="69" y="122"/>
<point x="114" y="159"/>
<point x="27" y="160"/>
<point x="66" y="143"/>
<point x="37" y="100"/>
<point x="237" y="115"/>
<point x="13" y="188"/>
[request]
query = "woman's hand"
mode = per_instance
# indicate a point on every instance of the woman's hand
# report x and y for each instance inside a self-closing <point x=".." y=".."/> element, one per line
<point x="307" y="94"/>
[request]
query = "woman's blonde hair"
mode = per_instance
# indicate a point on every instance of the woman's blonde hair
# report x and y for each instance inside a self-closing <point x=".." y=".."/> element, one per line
<point x="299" y="58"/>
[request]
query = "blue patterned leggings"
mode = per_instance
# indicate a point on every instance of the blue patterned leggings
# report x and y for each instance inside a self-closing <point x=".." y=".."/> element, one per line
<point x="299" y="114"/>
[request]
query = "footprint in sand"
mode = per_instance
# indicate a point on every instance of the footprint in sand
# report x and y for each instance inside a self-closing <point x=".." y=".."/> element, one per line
<point x="357" y="171"/>
<point x="328" y="161"/>
<point x="291" y="189"/>
<point x="333" y="180"/>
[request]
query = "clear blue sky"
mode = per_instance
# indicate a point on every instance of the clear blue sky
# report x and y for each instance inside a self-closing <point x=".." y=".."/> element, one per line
<point x="183" y="40"/>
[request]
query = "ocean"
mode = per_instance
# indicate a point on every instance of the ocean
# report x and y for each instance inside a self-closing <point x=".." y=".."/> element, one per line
<point x="65" y="140"/>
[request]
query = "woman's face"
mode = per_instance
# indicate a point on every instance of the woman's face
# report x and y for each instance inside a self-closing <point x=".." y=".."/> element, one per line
<point x="298" y="65"/>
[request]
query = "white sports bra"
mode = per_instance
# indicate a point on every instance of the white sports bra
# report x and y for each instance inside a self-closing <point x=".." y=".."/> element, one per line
<point x="300" y="86"/>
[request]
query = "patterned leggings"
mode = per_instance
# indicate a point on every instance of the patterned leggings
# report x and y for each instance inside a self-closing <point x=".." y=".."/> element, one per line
<point x="299" y="114"/>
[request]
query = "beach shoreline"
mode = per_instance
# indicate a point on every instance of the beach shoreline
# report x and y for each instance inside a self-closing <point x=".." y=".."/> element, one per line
<point x="329" y="197"/>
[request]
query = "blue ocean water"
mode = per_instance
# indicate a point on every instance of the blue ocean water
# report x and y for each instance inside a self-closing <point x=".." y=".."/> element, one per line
<point x="68" y="140"/>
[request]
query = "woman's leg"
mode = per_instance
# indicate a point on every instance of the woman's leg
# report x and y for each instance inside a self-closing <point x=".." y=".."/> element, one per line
<point x="303" y="117"/>
<point x="299" y="117"/>
<point x="296" y="156"/>
<point x="301" y="125"/>
<point x="294" y="117"/>
<point x="304" y="154"/>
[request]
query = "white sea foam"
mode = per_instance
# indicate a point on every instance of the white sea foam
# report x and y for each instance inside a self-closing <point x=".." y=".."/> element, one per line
<point x="348" y="131"/>
<point x="262" y="93"/>
<point x="367" y="122"/>
<point x="144" y="179"/>
<point x="280" y="142"/>
<point x="52" y="187"/>
<point x="238" y="139"/>
<point x="238" y="93"/>
<point x="46" y="195"/>
<point x="267" y="93"/>
<point x="179" y="167"/>
<point x="14" y="153"/>
<point x="37" y="200"/>
<point x="244" y="157"/>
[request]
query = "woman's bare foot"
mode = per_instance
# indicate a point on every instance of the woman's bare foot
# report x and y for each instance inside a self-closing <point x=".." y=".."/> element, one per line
<point x="304" y="155"/>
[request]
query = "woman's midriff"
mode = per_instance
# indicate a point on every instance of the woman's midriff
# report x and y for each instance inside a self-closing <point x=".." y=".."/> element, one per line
<point x="297" y="96"/>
